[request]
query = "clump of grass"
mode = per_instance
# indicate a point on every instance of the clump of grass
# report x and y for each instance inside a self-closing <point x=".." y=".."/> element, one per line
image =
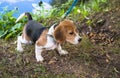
<point x="85" y="47"/>
<point x="116" y="48"/>
<point x="86" y="44"/>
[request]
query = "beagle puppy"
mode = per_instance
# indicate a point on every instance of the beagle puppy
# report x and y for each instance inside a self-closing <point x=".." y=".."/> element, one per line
<point x="47" y="39"/>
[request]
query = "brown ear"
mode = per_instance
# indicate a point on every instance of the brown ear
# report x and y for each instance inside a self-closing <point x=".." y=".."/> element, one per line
<point x="59" y="34"/>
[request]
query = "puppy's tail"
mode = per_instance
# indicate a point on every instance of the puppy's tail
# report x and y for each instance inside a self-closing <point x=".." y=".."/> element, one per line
<point x="24" y="14"/>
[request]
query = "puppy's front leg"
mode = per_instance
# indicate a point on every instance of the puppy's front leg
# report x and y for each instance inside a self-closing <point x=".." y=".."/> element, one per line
<point x="61" y="51"/>
<point x="38" y="51"/>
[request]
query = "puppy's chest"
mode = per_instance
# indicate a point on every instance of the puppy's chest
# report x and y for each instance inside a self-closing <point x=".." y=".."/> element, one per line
<point x="51" y="43"/>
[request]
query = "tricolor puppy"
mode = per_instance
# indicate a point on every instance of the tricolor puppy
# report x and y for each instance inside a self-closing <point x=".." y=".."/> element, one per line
<point x="47" y="39"/>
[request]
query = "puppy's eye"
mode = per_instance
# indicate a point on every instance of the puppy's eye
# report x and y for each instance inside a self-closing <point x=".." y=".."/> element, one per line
<point x="71" y="33"/>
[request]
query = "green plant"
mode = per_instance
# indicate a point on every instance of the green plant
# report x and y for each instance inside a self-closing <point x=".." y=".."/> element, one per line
<point x="8" y="28"/>
<point x="84" y="10"/>
<point x="95" y="5"/>
<point x="87" y="8"/>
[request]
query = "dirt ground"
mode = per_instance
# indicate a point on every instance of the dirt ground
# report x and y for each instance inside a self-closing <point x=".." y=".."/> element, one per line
<point x="97" y="56"/>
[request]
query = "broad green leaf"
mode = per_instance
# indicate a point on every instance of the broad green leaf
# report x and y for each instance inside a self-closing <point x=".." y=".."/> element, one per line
<point x="17" y="26"/>
<point x="3" y="34"/>
<point x="9" y="35"/>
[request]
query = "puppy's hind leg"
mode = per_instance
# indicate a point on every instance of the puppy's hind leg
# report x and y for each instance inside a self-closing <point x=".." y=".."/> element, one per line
<point x="19" y="44"/>
<point x="20" y="40"/>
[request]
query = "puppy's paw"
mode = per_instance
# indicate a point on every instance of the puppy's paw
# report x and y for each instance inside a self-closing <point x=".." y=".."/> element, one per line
<point x="39" y="58"/>
<point x="63" y="52"/>
<point x="20" y="49"/>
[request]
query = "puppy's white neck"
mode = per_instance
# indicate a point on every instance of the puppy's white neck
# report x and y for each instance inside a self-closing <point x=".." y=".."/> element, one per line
<point x="51" y="42"/>
<point x="51" y="30"/>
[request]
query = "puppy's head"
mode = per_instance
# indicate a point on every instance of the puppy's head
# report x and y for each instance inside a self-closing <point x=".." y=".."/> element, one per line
<point x="67" y="31"/>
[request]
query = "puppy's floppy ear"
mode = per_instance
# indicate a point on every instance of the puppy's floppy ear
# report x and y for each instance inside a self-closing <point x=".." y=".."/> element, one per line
<point x="59" y="34"/>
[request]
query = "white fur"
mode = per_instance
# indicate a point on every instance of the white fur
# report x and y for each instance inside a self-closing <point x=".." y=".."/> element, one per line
<point x="51" y="30"/>
<point x="19" y="45"/>
<point x="38" y="51"/>
<point x="21" y="40"/>
<point x="61" y="51"/>
<point x="76" y="40"/>
<point x="51" y="44"/>
<point x="20" y="17"/>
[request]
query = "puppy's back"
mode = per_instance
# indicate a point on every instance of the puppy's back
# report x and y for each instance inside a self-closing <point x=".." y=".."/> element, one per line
<point x="34" y="30"/>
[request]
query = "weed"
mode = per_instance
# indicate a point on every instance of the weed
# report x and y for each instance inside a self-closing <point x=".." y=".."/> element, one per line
<point x="86" y="44"/>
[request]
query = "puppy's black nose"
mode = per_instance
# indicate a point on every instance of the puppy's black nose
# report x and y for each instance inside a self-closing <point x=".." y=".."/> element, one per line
<point x="79" y="39"/>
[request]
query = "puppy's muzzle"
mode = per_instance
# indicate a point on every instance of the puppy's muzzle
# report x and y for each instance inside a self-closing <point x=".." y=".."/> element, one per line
<point x="80" y="39"/>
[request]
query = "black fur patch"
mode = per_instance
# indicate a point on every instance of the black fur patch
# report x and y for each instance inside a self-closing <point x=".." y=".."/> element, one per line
<point x="34" y="30"/>
<point x="28" y="15"/>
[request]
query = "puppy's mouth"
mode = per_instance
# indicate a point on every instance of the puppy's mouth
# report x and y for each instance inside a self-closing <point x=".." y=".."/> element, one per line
<point x="73" y="42"/>
<point x="77" y="40"/>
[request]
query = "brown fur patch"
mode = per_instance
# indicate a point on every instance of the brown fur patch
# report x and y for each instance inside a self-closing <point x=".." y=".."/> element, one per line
<point x="43" y="38"/>
<point x="59" y="34"/>
<point x="24" y="35"/>
<point x="66" y="30"/>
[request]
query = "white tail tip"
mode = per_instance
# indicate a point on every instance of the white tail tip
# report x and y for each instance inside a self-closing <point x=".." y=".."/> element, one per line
<point x="20" y="17"/>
